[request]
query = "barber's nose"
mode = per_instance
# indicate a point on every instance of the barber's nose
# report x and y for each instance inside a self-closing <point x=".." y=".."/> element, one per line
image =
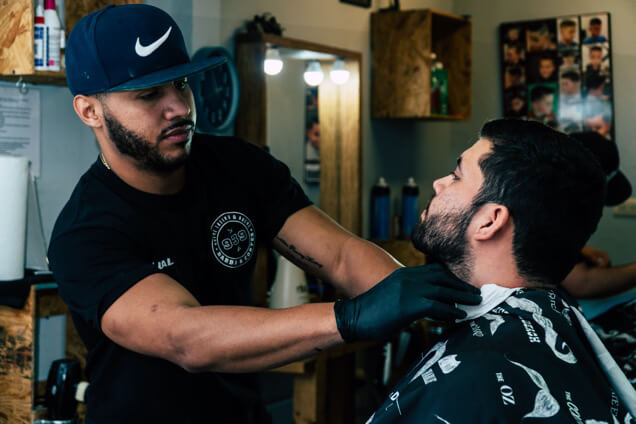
<point x="179" y="103"/>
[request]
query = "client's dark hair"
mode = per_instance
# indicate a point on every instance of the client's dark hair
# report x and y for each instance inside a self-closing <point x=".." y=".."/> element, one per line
<point x="553" y="188"/>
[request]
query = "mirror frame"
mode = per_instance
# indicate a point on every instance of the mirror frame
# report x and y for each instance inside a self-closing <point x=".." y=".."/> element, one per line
<point x="339" y="111"/>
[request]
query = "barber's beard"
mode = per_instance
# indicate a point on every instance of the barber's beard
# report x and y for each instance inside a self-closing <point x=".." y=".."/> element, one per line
<point x="146" y="155"/>
<point x="442" y="238"/>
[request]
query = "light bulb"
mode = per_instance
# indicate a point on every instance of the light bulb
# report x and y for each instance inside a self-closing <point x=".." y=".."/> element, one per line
<point x="273" y="63"/>
<point x="338" y="74"/>
<point x="313" y="75"/>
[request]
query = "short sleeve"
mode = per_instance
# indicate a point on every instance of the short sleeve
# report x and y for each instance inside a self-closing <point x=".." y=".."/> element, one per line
<point x="279" y="194"/>
<point x="93" y="268"/>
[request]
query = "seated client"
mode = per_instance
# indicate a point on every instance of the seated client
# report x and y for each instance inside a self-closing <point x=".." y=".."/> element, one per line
<point x="511" y="219"/>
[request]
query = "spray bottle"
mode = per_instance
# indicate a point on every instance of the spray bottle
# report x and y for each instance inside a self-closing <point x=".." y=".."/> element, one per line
<point x="39" y="39"/>
<point x="410" y="192"/>
<point x="53" y="27"/>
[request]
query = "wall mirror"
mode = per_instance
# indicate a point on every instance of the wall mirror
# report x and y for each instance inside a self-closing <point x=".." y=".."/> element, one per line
<point x="314" y="129"/>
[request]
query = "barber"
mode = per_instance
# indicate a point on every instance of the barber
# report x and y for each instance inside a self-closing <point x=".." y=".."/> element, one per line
<point x="593" y="276"/>
<point x="154" y="250"/>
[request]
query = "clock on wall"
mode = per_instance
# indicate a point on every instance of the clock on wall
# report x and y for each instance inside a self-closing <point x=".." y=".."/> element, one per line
<point x="216" y="92"/>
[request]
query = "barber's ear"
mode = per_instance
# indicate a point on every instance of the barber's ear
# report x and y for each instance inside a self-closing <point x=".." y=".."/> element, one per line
<point x="89" y="110"/>
<point x="490" y="220"/>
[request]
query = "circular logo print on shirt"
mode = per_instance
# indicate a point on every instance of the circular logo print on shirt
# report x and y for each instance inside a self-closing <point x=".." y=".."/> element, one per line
<point x="233" y="239"/>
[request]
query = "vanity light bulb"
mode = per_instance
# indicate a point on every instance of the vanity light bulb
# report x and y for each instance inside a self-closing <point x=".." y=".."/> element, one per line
<point x="273" y="63"/>
<point x="313" y="75"/>
<point x="338" y="74"/>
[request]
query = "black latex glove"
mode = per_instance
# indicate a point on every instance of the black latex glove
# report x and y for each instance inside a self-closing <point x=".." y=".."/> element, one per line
<point x="407" y="294"/>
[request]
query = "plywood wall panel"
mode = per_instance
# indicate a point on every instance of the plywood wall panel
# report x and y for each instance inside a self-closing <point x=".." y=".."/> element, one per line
<point x="16" y="36"/>
<point x="17" y="362"/>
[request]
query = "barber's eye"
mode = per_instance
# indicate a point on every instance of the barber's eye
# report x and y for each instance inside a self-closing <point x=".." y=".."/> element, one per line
<point x="149" y="95"/>
<point x="181" y="84"/>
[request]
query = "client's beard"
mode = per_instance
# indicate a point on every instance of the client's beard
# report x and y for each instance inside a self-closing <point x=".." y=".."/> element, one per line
<point x="442" y="238"/>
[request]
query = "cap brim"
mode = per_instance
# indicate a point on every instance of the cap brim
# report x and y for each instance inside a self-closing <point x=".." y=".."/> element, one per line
<point x="618" y="190"/>
<point x="170" y="74"/>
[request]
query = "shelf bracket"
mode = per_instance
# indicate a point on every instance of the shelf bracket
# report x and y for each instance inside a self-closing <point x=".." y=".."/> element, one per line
<point x="21" y="85"/>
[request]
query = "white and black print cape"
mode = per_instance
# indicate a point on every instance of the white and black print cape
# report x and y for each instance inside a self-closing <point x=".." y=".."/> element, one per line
<point x="527" y="360"/>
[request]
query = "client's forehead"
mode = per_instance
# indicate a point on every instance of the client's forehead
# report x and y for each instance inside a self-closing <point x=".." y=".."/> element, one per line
<point x="468" y="162"/>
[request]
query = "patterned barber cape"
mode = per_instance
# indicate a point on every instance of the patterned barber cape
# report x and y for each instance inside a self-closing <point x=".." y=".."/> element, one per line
<point x="525" y="361"/>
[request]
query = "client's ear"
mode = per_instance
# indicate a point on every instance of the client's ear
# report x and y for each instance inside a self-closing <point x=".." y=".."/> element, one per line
<point x="490" y="221"/>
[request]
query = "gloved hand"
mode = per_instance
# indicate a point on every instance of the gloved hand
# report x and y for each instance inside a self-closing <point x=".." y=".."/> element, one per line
<point x="407" y="294"/>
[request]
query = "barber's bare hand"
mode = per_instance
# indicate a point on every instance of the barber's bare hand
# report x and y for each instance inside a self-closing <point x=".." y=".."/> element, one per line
<point x="407" y="294"/>
<point x="596" y="257"/>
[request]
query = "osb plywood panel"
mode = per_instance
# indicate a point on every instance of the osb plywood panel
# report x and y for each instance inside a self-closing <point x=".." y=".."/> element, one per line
<point x="350" y="152"/>
<point x="251" y="119"/>
<point x="339" y="115"/>
<point x="401" y="50"/>
<point x="49" y="303"/>
<point x="453" y="45"/>
<point x="16" y="362"/>
<point x="16" y="36"/>
<point x="328" y="115"/>
<point x="75" y="9"/>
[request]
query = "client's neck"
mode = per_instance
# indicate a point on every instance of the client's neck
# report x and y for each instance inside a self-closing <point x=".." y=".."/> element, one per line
<point x="494" y="265"/>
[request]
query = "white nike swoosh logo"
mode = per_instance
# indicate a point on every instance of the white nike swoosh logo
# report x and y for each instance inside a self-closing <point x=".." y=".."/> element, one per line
<point x="144" y="51"/>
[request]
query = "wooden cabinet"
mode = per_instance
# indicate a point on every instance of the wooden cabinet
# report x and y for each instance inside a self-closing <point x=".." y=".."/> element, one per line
<point x="16" y="37"/>
<point x="405" y="44"/>
<point x="21" y="395"/>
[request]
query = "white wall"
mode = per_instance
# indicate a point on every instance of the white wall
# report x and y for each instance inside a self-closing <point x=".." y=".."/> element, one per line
<point x="427" y="150"/>
<point x="387" y="147"/>
<point x="394" y="149"/>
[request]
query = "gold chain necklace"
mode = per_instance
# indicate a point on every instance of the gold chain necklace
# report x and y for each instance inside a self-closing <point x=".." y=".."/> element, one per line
<point x="101" y="156"/>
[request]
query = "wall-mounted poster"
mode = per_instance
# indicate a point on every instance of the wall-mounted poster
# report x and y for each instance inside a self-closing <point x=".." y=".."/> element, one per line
<point x="559" y="71"/>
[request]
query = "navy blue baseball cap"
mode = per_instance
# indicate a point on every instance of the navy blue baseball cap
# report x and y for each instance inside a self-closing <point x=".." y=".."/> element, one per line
<point x="128" y="47"/>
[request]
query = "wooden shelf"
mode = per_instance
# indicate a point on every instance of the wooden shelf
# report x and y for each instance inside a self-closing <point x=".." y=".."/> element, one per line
<point x="404" y="46"/>
<point x="39" y="77"/>
<point x="16" y="38"/>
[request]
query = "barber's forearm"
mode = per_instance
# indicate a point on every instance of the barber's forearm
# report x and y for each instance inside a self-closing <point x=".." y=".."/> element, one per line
<point x="362" y="265"/>
<point x="613" y="280"/>
<point x="245" y="339"/>
<point x="588" y="282"/>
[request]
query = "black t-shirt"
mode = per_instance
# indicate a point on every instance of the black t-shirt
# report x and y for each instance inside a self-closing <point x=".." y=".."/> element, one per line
<point x="525" y="361"/>
<point x="110" y="235"/>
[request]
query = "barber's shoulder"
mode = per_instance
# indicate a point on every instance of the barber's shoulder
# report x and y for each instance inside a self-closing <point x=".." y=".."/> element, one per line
<point x="230" y="144"/>
<point x="85" y="191"/>
<point x="230" y="150"/>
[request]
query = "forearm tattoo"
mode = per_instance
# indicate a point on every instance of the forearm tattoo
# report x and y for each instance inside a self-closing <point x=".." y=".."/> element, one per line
<point x="295" y="252"/>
